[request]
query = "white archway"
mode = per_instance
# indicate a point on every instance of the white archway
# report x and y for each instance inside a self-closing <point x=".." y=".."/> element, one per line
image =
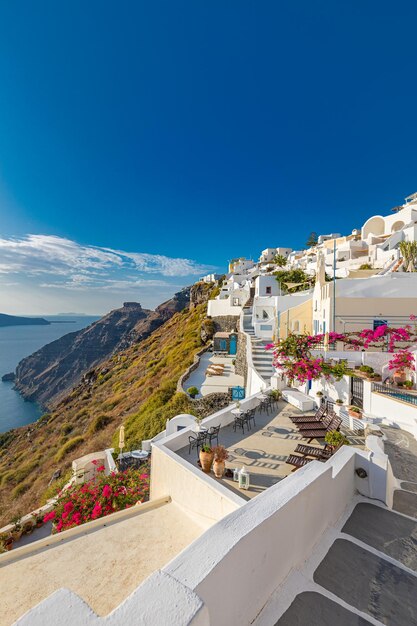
<point x="374" y="226"/>
<point x="397" y="226"/>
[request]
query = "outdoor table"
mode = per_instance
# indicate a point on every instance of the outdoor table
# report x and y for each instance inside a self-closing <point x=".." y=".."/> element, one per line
<point x="236" y="412"/>
<point x="139" y="454"/>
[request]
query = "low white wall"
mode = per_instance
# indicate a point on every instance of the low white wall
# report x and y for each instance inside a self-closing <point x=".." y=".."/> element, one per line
<point x="200" y="497"/>
<point x="393" y="412"/>
<point x="238" y="563"/>
<point x="218" y="308"/>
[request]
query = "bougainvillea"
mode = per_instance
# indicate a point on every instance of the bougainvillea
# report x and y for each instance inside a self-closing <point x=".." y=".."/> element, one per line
<point x="99" y="497"/>
<point x="402" y="360"/>
<point x="293" y="355"/>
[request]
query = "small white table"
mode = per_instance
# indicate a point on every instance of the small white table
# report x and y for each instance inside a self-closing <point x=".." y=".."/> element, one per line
<point x="236" y="412"/>
<point x="139" y="454"/>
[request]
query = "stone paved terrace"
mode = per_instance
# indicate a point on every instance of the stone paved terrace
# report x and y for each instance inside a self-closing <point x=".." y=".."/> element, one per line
<point x="263" y="450"/>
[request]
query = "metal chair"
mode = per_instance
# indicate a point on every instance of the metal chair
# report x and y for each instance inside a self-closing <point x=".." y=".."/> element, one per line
<point x="251" y="416"/>
<point x="213" y="434"/>
<point x="239" y="422"/>
<point x="196" y="441"/>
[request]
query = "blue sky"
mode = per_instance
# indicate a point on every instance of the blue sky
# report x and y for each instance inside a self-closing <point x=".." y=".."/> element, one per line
<point x="192" y="132"/>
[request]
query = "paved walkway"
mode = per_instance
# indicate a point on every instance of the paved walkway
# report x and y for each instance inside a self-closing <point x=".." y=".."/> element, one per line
<point x="213" y="384"/>
<point x="369" y="574"/>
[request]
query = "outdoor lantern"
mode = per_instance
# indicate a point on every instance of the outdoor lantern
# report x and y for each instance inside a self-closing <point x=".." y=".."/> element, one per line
<point x="236" y="474"/>
<point x="243" y="479"/>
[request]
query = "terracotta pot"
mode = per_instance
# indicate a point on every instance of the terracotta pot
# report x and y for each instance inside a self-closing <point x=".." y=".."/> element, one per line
<point x="206" y="460"/>
<point x="8" y="544"/>
<point x="355" y="414"/>
<point x="27" y="527"/>
<point x="399" y="376"/>
<point x="16" y="534"/>
<point x="218" y="468"/>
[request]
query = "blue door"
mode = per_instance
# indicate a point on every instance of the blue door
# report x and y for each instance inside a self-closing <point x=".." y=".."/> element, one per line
<point x="232" y="345"/>
<point x="223" y="345"/>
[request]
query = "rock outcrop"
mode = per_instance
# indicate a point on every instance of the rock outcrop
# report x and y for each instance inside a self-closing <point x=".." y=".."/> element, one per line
<point x="50" y="373"/>
<point x="14" y="320"/>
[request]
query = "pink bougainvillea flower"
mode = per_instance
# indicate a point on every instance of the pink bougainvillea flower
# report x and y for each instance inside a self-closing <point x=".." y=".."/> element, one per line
<point x="101" y="468"/>
<point x="107" y="491"/>
<point x="97" y="510"/>
<point x="49" y="516"/>
<point x="413" y="317"/>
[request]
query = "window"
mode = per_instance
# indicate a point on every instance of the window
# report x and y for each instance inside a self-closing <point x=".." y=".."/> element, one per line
<point x="378" y="323"/>
<point x="268" y="290"/>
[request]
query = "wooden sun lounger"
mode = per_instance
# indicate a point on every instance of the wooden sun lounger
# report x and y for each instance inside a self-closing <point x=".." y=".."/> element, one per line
<point x="322" y="423"/>
<point x="297" y="461"/>
<point x="317" y="453"/>
<point x="305" y="419"/>
<point x="320" y="433"/>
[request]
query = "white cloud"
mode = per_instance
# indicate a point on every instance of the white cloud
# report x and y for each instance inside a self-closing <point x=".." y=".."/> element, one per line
<point x="48" y="254"/>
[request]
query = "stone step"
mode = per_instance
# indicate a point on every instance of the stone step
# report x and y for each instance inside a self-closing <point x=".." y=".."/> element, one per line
<point x="369" y="583"/>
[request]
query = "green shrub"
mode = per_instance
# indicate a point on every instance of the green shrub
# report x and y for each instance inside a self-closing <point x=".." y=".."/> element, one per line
<point x="335" y="439"/>
<point x="66" y="429"/>
<point x="56" y="486"/>
<point x="366" y="369"/>
<point x="192" y="391"/>
<point x="365" y="266"/>
<point x="100" y="422"/>
<point x="71" y="445"/>
<point x="20" y="490"/>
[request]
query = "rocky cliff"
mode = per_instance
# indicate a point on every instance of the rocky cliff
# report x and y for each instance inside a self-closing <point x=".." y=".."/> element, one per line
<point x="13" y="320"/>
<point x="50" y="373"/>
<point x="136" y="387"/>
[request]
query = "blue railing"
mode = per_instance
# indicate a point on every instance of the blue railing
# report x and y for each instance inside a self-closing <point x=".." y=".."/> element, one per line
<point x="397" y="394"/>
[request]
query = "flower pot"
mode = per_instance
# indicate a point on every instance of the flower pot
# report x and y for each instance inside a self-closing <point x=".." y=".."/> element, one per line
<point x="16" y="534"/>
<point x="355" y="414"/>
<point x="206" y="460"/>
<point x="218" y="468"/>
<point x="27" y="527"/>
<point x="8" y="544"/>
<point x="399" y="376"/>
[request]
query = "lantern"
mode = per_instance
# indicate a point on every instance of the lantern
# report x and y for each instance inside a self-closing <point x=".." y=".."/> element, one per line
<point x="243" y="479"/>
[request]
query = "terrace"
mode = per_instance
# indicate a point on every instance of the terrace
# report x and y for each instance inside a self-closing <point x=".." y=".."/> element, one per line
<point x="263" y="450"/>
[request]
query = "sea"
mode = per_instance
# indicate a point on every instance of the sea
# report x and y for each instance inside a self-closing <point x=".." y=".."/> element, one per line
<point x="17" y="342"/>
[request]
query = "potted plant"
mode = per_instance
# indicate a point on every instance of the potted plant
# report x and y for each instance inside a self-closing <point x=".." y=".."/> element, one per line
<point x="220" y="455"/>
<point x="206" y="458"/>
<point x="339" y="402"/>
<point x="39" y="519"/>
<point x="198" y="421"/>
<point x="28" y="525"/>
<point x="355" y="411"/>
<point x="6" y="540"/>
<point x="408" y="384"/>
<point x="367" y="370"/>
<point x="335" y="440"/>
<point x="192" y="391"/>
<point x="319" y="394"/>
<point x="17" y="528"/>
<point x="275" y="394"/>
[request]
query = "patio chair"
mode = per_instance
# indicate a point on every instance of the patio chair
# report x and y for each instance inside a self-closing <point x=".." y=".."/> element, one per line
<point x="320" y="433"/>
<point x="317" y="453"/>
<point x="251" y="416"/>
<point x="239" y="423"/>
<point x="195" y="441"/>
<point x="264" y="406"/>
<point x="297" y="461"/>
<point x="213" y="434"/>
<point x="322" y="423"/>
<point x="305" y="419"/>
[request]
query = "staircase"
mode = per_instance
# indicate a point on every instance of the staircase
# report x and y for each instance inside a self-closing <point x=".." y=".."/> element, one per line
<point x="261" y="358"/>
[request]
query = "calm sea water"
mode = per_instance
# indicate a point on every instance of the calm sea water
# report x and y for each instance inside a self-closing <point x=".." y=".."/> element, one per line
<point x="17" y="342"/>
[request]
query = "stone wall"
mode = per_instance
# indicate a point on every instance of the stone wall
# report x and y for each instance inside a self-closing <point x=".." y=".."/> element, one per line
<point x="241" y="362"/>
<point x="190" y="369"/>
<point x="226" y="323"/>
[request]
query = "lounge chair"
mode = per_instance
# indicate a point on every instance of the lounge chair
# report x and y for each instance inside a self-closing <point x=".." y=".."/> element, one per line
<point x="320" y="433"/>
<point x="306" y="419"/>
<point x="297" y="461"/>
<point x="317" y="453"/>
<point x="322" y="423"/>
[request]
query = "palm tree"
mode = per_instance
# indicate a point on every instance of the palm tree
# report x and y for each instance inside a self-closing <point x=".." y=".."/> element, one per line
<point x="408" y="251"/>
<point x="280" y="260"/>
